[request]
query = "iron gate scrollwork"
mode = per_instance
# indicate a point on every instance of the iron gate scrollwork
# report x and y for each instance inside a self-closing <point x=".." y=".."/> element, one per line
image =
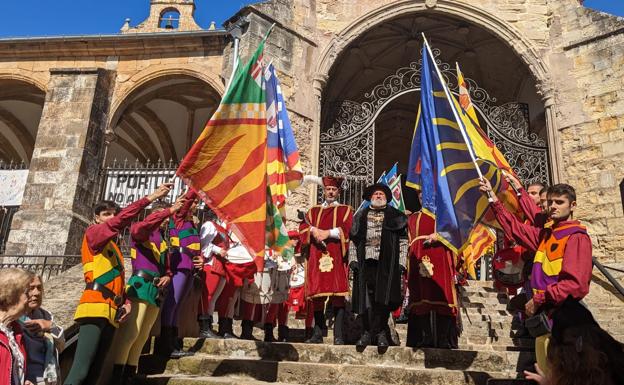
<point x="347" y="145"/>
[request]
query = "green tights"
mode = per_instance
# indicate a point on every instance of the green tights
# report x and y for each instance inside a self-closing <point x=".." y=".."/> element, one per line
<point x="90" y="353"/>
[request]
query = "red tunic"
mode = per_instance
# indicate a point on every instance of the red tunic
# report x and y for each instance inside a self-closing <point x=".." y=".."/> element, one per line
<point x="532" y="212"/>
<point x="576" y="268"/>
<point x="327" y="271"/>
<point x="435" y="292"/>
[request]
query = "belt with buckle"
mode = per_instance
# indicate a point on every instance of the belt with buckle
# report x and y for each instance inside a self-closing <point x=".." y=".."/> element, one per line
<point x="106" y="292"/>
<point x="188" y="251"/>
<point x="149" y="278"/>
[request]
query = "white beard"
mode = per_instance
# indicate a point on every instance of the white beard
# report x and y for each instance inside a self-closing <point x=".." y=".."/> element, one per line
<point x="379" y="203"/>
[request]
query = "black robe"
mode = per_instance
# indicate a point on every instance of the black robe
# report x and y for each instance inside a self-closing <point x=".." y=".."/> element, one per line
<point x="388" y="281"/>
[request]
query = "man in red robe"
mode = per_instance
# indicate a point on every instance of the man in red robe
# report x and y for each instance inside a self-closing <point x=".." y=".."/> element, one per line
<point x="324" y="235"/>
<point x="431" y="279"/>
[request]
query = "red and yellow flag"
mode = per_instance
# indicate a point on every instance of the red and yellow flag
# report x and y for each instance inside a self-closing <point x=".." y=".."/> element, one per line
<point x="482" y="238"/>
<point x="228" y="162"/>
<point x="485" y="149"/>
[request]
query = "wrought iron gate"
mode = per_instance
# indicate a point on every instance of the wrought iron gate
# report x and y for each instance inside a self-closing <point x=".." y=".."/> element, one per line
<point x="125" y="182"/>
<point x="347" y="146"/>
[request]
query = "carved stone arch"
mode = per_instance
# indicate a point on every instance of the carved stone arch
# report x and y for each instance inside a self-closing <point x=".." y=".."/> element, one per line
<point x="157" y="102"/>
<point x="519" y="43"/>
<point x="26" y="76"/>
<point x="523" y="48"/>
<point x="149" y="74"/>
<point x="22" y="98"/>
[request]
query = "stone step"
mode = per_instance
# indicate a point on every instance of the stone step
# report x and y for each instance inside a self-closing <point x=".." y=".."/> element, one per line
<point x="200" y="380"/>
<point x="487" y="361"/>
<point x="306" y="373"/>
<point x="472" y="339"/>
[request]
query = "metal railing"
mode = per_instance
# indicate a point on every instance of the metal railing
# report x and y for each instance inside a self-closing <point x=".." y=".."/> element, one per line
<point x="6" y="217"/>
<point x="605" y="271"/>
<point x="47" y="266"/>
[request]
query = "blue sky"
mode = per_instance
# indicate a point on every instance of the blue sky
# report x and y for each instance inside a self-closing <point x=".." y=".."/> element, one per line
<point x="78" y="17"/>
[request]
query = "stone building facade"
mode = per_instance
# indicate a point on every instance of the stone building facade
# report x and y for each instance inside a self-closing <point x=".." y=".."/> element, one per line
<point x="146" y="92"/>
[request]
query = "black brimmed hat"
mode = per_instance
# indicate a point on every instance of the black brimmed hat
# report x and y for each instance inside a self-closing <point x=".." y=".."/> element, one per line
<point x="368" y="191"/>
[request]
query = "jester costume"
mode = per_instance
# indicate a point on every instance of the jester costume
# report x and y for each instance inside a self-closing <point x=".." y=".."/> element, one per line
<point x="562" y="266"/>
<point x="104" y="293"/>
<point x="184" y="245"/>
<point x="150" y="262"/>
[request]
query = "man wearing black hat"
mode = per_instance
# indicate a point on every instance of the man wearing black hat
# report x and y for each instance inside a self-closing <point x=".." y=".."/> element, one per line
<point x="377" y="272"/>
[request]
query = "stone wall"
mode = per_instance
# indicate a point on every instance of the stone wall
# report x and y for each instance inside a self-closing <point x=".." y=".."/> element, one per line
<point x="588" y="68"/>
<point x="63" y="173"/>
<point x="575" y="54"/>
<point x="580" y="85"/>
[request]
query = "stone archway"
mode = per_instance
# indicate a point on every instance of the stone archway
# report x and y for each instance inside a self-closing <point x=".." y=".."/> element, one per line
<point x="21" y="105"/>
<point x="160" y="118"/>
<point x="520" y="47"/>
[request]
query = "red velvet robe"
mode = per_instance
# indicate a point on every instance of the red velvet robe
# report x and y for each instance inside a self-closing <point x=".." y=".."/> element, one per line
<point x="334" y="282"/>
<point x="435" y="293"/>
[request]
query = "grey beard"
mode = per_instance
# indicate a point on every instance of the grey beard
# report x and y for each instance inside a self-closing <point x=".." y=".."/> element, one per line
<point x="378" y="203"/>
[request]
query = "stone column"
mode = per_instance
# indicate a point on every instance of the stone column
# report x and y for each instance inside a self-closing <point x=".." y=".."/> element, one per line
<point x="552" y="127"/>
<point x="62" y="182"/>
<point x="319" y="85"/>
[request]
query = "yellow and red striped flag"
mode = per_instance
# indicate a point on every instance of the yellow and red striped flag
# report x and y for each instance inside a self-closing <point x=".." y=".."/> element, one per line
<point x="481" y="239"/>
<point x="227" y="164"/>
<point x="485" y="149"/>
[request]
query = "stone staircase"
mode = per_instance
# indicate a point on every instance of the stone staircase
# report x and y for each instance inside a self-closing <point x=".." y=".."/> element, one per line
<point x="486" y="347"/>
<point x="486" y="351"/>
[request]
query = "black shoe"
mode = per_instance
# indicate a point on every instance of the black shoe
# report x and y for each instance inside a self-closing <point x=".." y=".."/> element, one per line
<point x="164" y="344"/>
<point x="179" y="353"/>
<point x="116" y="374"/>
<point x="308" y="333"/>
<point x="364" y="341"/>
<point x="382" y="340"/>
<point x="131" y="377"/>
<point x="282" y="333"/>
<point x="522" y="332"/>
<point x="177" y="345"/>
<point x="225" y="329"/>
<point x="205" y="329"/>
<point x="338" y="326"/>
<point x="247" y="333"/>
<point x="268" y="333"/>
<point x="317" y="336"/>
<point x="403" y="319"/>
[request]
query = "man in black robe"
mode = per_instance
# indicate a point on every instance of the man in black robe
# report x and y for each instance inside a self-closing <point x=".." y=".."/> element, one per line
<point x="377" y="271"/>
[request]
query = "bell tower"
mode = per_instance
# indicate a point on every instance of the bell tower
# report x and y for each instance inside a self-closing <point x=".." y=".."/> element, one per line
<point x="166" y="16"/>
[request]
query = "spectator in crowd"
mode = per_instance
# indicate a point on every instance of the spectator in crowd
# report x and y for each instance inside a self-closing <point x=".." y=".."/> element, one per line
<point x="14" y="285"/>
<point x="580" y="352"/>
<point x="42" y="337"/>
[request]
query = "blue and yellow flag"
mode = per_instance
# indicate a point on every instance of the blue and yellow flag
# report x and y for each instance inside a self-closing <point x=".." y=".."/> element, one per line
<point x="441" y="164"/>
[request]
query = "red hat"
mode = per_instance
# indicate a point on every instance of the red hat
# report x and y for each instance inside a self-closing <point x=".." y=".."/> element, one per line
<point x="335" y="181"/>
<point x="293" y="234"/>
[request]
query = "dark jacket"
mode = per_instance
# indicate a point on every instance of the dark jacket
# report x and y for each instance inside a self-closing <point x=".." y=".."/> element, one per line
<point x="388" y="281"/>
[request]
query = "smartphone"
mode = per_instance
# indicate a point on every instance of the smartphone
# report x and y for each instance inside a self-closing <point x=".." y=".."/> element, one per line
<point x="120" y="313"/>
